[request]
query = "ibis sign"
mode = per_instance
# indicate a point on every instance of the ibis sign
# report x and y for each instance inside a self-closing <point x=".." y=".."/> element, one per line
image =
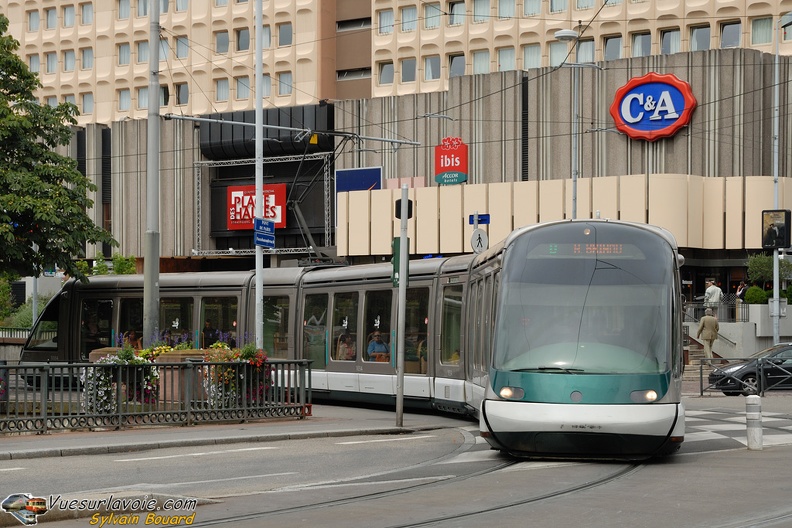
<point x="451" y="161"/>
<point x="653" y="106"/>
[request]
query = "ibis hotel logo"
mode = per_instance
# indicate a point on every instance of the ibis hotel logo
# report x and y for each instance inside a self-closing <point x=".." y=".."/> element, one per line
<point x="653" y="106"/>
<point x="242" y="205"/>
<point x="451" y="161"/>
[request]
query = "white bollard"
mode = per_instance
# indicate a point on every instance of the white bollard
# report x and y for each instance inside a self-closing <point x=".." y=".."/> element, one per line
<point x="753" y="421"/>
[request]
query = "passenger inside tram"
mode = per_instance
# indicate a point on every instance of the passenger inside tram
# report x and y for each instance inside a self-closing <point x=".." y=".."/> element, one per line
<point x="378" y="349"/>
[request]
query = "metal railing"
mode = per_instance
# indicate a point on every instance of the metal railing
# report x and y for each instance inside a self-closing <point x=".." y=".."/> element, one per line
<point x="44" y="397"/>
<point x="9" y="332"/>
<point x="727" y="312"/>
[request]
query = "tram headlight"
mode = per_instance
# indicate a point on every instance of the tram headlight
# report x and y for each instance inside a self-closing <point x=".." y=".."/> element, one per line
<point x="512" y="393"/>
<point x="643" y="396"/>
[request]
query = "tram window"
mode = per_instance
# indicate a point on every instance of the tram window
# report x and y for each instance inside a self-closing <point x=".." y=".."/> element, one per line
<point x="314" y="337"/>
<point x="451" y="331"/>
<point x="345" y="310"/>
<point x="45" y="334"/>
<point x="95" y="325"/>
<point x="130" y="318"/>
<point x="176" y="320"/>
<point x="416" y="322"/>
<point x="377" y="318"/>
<point x="221" y="315"/>
<point x="276" y="326"/>
<point x="474" y="321"/>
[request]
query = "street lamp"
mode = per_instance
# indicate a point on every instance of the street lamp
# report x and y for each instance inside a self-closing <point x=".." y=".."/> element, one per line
<point x="775" y="308"/>
<point x="569" y="35"/>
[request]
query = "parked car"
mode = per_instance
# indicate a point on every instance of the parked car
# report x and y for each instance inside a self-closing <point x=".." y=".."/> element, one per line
<point x="742" y="377"/>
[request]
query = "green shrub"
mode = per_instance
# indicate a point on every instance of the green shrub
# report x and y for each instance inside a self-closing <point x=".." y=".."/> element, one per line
<point x="756" y="295"/>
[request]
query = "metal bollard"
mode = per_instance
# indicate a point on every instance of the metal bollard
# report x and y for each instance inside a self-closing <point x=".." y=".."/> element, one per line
<point x="753" y="422"/>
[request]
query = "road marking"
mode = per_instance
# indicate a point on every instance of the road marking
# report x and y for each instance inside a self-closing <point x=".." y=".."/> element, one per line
<point x="205" y="453"/>
<point x="13" y="469"/>
<point x="385" y="440"/>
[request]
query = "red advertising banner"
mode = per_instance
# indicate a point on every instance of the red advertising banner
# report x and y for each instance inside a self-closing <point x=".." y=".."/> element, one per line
<point x="242" y="205"/>
<point x="451" y="161"/>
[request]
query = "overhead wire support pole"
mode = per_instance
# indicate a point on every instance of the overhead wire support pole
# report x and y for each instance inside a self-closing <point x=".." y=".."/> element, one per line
<point x="259" y="138"/>
<point x="151" y="257"/>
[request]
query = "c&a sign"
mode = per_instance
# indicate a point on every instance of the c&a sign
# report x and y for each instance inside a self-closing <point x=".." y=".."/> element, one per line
<point x="653" y="106"/>
<point x="451" y="161"/>
<point x="242" y="205"/>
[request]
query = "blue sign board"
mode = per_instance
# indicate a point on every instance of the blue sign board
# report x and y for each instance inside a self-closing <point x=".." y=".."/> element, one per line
<point x="483" y="219"/>
<point x="262" y="225"/>
<point x="360" y="179"/>
<point x="264" y="240"/>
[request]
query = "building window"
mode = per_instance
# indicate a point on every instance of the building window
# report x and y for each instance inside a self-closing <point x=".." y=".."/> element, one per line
<point x="51" y="62"/>
<point x="86" y="58"/>
<point x="221" y="90"/>
<point x="87" y="103"/>
<point x="86" y="14"/>
<point x="68" y="16"/>
<point x="761" y="31"/>
<point x="481" y="62"/>
<point x="243" y="87"/>
<point x="506" y="59"/>
<point x="124" y="99"/>
<point x="163" y="51"/>
<point x="221" y="42"/>
<point x="557" y="6"/>
<point x="142" y="51"/>
<point x="409" y="18"/>
<point x="481" y="10"/>
<point x="354" y="74"/>
<point x="456" y="13"/>
<point x="557" y="53"/>
<point x="669" y="41"/>
<point x="432" y="16"/>
<point x="266" y="37"/>
<point x="386" y="73"/>
<point x="51" y="101"/>
<point x="50" y="18"/>
<point x="354" y="24"/>
<point x="585" y="51"/>
<point x="243" y="39"/>
<point x="432" y="68"/>
<point x="285" y="34"/>
<point x="34" y="63"/>
<point x="221" y="3"/>
<point x="505" y="8"/>
<point x="456" y="65"/>
<point x="69" y="98"/>
<point x="182" y="5"/>
<point x="164" y="95"/>
<point x="69" y="60"/>
<point x="641" y="45"/>
<point x="585" y="4"/>
<point x="385" y="21"/>
<point x="123" y="54"/>
<point x="730" y="35"/>
<point x="142" y="8"/>
<point x="407" y="70"/>
<point x="266" y="85"/>
<point x="532" y="56"/>
<point x="182" y="93"/>
<point x="142" y="98"/>
<point x="123" y="9"/>
<point x="182" y="47"/>
<point x="34" y="19"/>
<point x="285" y="83"/>
<point x="700" y="38"/>
<point x="532" y="8"/>
<point x="613" y="48"/>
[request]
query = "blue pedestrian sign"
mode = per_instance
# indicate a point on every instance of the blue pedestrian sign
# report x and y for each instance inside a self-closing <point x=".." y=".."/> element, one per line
<point x="264" y="240"/>
<point x="483" y="219"/>
<point x="262" y="225"/>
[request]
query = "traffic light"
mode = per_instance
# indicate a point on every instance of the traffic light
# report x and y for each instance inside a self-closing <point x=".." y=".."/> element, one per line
<point x="775" y="229"/>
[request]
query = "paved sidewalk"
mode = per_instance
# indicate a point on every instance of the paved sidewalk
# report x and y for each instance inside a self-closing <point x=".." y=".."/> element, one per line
<point x="326" y="421"/>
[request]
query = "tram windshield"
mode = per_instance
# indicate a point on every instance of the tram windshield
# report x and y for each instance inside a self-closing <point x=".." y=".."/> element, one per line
<point x="589" y="298"/>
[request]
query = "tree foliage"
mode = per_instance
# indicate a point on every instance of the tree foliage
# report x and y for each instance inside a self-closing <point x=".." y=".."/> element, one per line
<point x="760" y="268"/>
<point x="43" y="197"/>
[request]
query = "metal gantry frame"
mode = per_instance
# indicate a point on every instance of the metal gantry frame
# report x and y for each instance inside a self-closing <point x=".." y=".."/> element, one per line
<point x="199" y="167"/>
